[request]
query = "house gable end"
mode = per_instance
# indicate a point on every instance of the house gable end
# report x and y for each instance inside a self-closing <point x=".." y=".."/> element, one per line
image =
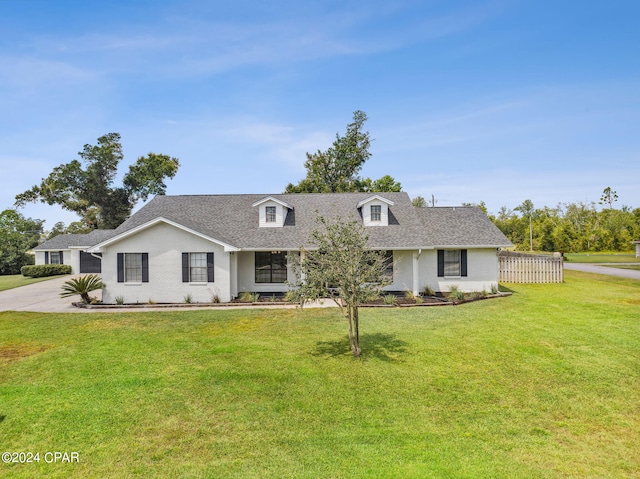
<point x="98" y="248"/>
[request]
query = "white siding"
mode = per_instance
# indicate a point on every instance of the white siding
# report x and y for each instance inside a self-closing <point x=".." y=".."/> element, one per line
<point x="165" y="245"/>
<point x="402" y="271"/>
<point x="281" y="214"/>
<point x="384" y="213"/>
<point x="482" y="271"/>
<point x="70" y="257"/>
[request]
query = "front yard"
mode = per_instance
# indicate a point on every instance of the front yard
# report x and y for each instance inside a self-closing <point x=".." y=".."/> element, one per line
<point x="15" y="280"/>
<point x="541" y="384"/>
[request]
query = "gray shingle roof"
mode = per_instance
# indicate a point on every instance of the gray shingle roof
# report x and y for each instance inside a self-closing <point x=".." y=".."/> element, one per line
<point x="460" y="226"/>
<point x="75" y="240"/>
<point x="233" y="220"/>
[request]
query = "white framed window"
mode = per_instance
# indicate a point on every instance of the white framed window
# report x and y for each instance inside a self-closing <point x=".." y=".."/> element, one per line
<point x="452" y="262"/>
<point x="55" y="257"/>
<point x="376" y="213"/>
<point x="198" y="267"/>
<point x="270" y="212"/>
<point x="133" y="268"/>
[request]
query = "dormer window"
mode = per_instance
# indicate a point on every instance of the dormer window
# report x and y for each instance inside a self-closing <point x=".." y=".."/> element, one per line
<point x="270" y="214"/>
<point x="376" y="212"/>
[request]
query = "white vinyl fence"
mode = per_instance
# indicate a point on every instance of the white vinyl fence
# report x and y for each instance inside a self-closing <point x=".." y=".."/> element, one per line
<point x="530" y="268"/>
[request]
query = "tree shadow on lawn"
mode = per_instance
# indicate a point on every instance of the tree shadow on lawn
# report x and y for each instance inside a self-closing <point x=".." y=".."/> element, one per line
<point x="385" y="347"/>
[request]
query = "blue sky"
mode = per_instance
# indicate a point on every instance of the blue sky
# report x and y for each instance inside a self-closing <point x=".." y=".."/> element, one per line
<point x="494" y="101"/>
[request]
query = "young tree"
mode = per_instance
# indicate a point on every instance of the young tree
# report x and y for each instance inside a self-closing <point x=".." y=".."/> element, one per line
<point x="17" y="236"/>
<point x="419" y="202"/>
<point x="336" y="170"/>
<point x="527" y="209"/>
<point x="89" y="191"/>
<point x="608" y="197"/>
<point x="342" y="267"/>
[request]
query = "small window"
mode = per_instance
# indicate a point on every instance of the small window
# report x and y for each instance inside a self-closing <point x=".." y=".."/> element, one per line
<point x="198" y="267"/>
<point x="452" y="262"/>
<point x="271" y="267"/>
<point x="133" y="268"/>
<point x="55" y="257"/>
<point x="271" y="214"/>
<point x="376" y="213"/>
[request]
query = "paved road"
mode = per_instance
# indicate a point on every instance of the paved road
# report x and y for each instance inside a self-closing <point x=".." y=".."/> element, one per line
<point x="599" y="269"/>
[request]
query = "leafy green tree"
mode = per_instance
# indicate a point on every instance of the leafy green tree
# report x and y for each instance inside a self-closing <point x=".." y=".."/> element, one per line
<point x="342" y="267"/>
<point x="17" y="236"/>
<point x="88" y="189"/>
<point x="75" y="227"/>
<point x="336" y="170"/>
<point x="386" y="184"/>
<point x="527" y="209"/>
<point x="419" y="202"/>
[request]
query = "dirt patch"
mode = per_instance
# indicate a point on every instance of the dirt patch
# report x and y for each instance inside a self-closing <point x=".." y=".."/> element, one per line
<point x="13" y="352"/>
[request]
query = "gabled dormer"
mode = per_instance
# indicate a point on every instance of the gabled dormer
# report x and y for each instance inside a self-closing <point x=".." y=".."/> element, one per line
<point x="272" y="212"/>
<point x="375" y="211"/>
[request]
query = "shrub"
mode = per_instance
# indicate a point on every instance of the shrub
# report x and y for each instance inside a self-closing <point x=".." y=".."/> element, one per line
<point x="82" y="286"/>
<point x="188" y="299"/>
<point x="120" y="300"/>
<point x="427" y="291"/>
<point x="390" y="299"/>
<point x="215" y="298"/>
<point x="247" y="297"/>
<point x="43" y="270"/>
<point x="455" y="293"/>
<point x="409" y="294"/>
<point x="494" y="289"/>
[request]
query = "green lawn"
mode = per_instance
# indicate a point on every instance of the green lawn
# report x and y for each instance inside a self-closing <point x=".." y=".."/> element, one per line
<point x="542" y="384"/>
<point x="635" y="267"/>
<point x="16" y="280"/>
<point x="601" y="258"/>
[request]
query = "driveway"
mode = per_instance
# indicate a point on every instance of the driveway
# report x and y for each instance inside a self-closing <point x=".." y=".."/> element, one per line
<point x="600" y="269"/>
<point x="40" y="297"/>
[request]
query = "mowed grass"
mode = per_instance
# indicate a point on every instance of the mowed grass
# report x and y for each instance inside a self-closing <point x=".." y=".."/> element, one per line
<point x="541" y="384"/>
<point x="601" y="258"/>
<point x="635" y="267"/>
<point x="15" y="280"/>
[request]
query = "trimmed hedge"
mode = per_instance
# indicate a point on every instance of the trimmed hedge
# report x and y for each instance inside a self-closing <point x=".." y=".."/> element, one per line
<point x="42" y="270"/>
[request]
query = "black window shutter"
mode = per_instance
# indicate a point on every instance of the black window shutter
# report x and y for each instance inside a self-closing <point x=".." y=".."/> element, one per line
<point x="185" y="267"/>
<point x="145" y="267"/>
<point x="210" y="267"/>
<point x="61" y="257"/>
<point x="440" y="263"/>
<point x="463" y="262"/>
<point x="120" y="267"/>
<point x="46" y="257"/>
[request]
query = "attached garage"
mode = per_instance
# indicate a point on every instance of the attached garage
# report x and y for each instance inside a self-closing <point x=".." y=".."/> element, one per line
<point x="89" y="263"/>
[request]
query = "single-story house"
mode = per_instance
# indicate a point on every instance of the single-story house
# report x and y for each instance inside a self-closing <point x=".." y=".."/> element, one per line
<point x="72" y="249"/>
<point x="207" y="246"/>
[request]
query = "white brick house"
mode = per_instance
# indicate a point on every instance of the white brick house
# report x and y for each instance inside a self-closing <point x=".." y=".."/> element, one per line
<point x="207" y="246"/>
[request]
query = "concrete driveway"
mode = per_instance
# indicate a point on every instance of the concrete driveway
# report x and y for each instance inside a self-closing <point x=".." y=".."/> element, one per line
<point x="600" y="269"/>
<point x="40" y="297"/>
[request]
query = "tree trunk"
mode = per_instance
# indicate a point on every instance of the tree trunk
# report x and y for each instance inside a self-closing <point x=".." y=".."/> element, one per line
<point x="356" y="326"/>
